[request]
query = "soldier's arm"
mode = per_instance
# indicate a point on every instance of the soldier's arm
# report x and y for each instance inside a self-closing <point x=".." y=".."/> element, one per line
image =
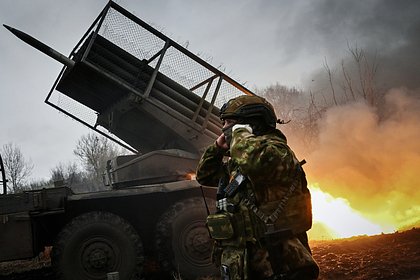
<point x="263" y="159"/>
<point x="210" y="168"/>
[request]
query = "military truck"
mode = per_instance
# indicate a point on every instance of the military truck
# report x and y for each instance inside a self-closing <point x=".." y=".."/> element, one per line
<point x="128" y="82"/>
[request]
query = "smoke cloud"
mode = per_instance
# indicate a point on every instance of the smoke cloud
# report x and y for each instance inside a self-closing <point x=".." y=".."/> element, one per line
<point x="370" y="155"/>
<point x="387" y="30"/>
<point x="372" y="159"/>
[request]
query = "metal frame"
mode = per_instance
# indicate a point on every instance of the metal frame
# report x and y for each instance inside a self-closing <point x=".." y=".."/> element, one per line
<point x="155" y="71"/>
<point x="3" y="176"/>
<point x="168" y="43"/>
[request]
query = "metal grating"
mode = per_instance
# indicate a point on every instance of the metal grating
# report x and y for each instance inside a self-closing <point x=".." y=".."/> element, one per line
<point x="146" y="44"/>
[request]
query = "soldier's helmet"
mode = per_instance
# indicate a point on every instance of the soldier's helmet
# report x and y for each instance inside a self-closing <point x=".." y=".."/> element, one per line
<point x="249" y="107"/>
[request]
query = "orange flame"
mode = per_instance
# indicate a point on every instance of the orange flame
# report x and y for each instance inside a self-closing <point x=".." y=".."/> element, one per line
<point x="338" y="219"/>
<point x="371" y="158"/>
<point x="190" y="176"/>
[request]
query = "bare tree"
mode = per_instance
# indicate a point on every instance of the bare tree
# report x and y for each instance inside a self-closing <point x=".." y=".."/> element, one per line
<point x="330" y="79"/>
<point x="37" y="184"/>
<point x="366" y="70"/>
<point x="348" y="82"/>
<point x="17" y="168"/>
<point x="357" y="79"/>
<point x="66" y="173"/>
<point x="310" y="129"/>
<point x="297" y="107"/>
<point x="287" y="101"/>
<point x="94" y="151"/>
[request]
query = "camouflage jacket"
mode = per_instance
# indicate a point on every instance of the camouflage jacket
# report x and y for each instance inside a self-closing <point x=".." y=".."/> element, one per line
<point x="271" y="168"/>
<point x="266" y="160"/>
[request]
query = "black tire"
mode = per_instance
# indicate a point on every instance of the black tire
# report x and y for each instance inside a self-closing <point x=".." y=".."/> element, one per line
<point x="96" y="243"/>
<point x="182" y="239"/>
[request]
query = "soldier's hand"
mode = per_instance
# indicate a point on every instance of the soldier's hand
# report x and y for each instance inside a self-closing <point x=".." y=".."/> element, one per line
<point x="246" y="126"/>
<point x="221" y="142"/>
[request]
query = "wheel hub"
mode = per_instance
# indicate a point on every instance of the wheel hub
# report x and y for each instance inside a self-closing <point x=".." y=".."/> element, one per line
<point x="197" y="243"/>
<point x="98" y="258"/>
<point x="199" y="240"/>
<point x="98" y="255"/>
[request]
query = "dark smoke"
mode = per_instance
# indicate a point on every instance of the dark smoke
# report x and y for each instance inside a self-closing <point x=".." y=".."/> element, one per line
<point x="386" y="29"/>
<point x="366" y="153"/>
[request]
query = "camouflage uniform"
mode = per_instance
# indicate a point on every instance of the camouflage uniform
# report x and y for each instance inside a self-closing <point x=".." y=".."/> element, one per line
<point x="270" y="166"/>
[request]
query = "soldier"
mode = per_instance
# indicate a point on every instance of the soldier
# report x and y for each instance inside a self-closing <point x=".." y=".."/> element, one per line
<point x="263" y="203"/>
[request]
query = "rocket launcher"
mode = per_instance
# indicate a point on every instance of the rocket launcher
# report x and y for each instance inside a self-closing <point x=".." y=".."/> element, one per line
<point x="133" y="84"/>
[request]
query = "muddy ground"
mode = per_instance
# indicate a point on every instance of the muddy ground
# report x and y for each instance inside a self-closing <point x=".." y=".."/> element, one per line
<point x="386" y="256"/>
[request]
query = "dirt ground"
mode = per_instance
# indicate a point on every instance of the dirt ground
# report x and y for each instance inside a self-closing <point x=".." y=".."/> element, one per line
<point x="387" y="256"/>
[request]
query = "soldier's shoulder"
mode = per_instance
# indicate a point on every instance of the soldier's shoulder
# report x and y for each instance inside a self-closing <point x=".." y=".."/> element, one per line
<point x="274" y="136"/>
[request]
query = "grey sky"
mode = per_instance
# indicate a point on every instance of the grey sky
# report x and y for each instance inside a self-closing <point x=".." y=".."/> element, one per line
<point x="259" y="42"/>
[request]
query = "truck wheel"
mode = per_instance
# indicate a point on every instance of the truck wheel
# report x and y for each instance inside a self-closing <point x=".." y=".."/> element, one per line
<point x="96" y="243"/>
<point x="182" y="239"/>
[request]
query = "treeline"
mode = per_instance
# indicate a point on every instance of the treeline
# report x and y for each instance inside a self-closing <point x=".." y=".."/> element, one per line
<point x="86" y="174"/>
